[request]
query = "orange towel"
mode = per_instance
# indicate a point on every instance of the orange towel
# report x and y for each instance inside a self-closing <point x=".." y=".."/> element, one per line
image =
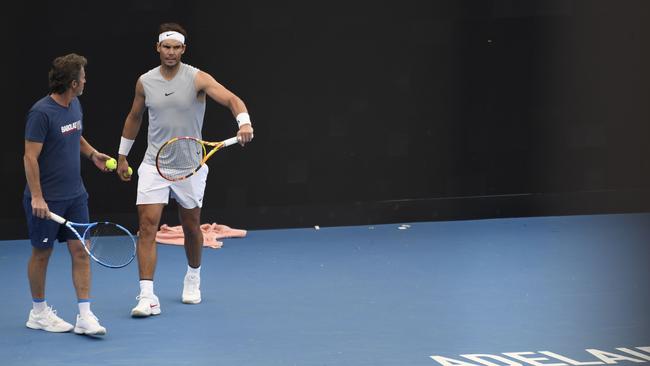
<point x="211" y="232"/>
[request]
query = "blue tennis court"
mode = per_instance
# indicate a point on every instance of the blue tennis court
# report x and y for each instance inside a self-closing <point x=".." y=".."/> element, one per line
<point x="404" y="294"/>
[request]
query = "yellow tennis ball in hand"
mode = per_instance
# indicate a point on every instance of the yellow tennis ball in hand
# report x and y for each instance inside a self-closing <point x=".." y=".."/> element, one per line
<point x="111" y="164"/>
<point x="129" y="173"/>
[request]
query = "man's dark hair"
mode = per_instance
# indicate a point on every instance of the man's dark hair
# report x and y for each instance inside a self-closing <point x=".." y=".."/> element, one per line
<point x="64" y="70"/>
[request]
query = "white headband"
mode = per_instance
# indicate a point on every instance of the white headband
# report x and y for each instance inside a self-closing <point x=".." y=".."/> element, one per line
<point x="171" y="35"/>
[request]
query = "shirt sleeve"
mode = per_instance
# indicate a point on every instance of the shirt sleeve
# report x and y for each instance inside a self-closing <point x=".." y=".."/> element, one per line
<point x="81" y="111"/>
<point x="36" y="127"/>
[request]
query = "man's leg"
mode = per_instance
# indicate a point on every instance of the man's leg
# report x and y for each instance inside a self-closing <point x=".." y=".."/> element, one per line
<point x="191" y="222"/>
<point x="42" y="235"/>
<point x="80" y="269"/>
<point x="87" y="322"/>
<point x="37" y="269"/>
<point x="149" y="219"/>
<point x="42" y="316"/>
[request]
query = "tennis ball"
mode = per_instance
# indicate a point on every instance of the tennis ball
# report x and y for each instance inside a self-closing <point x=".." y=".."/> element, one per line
<point x="111" y="164"/>
<point x="130" y="172"/>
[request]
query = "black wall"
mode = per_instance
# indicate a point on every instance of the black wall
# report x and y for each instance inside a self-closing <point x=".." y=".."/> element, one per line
<point x="366" y="111"/>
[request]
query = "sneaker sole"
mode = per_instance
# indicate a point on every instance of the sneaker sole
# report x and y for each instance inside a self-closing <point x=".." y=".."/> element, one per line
<point x="85" y="332"/>
<point x="191" y="301"/>
<point x="37" y="326"/>
<point x="141" y="314"/>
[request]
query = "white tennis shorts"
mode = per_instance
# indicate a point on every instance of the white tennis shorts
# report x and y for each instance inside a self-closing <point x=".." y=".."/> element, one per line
<point x="152" y="188"/>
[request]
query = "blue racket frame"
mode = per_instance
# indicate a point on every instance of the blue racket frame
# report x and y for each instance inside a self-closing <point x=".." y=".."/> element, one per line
<point x="87" y="229"/>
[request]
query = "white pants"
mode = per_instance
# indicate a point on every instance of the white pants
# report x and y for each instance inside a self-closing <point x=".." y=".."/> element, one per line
<point x="152" y="188"/>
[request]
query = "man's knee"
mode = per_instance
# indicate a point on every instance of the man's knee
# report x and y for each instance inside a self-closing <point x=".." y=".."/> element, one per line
<point x="41" y="254"/>
<point x="192" y="230"/>
<point x="148" y="229"/>
<point x="148" y="217"/>
<point x="77" y="252"/>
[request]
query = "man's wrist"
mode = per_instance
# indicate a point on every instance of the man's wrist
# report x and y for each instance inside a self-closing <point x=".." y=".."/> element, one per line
<point x="125" y="146"/>
<point x="243" y="119"/>
<point x="37" y="196"/>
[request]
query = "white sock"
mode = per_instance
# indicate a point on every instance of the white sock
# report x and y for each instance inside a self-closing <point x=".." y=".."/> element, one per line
<point x="146" y="287"/>
<point x="194" y="271"/>
<point x="39" y="305"/>
<point x="84" y="308"/>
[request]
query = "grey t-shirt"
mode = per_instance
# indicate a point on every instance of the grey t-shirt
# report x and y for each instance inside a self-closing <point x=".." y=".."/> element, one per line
<point x="174" y="109"/>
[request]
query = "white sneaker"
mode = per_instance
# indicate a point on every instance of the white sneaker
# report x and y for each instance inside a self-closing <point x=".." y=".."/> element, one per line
<point x="191" y="289"/>
<point x="89" y="325"/>
<point x="147" y="305"/>
<point x="47" y="320"/>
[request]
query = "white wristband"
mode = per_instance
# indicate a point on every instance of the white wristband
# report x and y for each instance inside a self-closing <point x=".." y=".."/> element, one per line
<point x="125" y="146"/>
<point x="243" y="119"/>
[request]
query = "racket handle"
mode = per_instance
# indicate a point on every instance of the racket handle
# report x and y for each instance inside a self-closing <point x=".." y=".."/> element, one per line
<point x="57" y="218"/>
<point x="231" y="141"/>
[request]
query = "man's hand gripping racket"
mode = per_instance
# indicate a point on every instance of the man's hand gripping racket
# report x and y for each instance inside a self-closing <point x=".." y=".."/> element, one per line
<point x="180" y="157"/>
<point x="108" y="244"/>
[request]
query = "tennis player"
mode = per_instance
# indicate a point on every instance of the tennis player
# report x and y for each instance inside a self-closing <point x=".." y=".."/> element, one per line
<point x="175" y="95"/>
<point x="53" y="146"/>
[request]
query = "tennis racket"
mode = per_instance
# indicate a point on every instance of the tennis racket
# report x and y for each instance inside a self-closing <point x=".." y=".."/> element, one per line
<point x="108" y="244"/>
<point x="181" y="157"/>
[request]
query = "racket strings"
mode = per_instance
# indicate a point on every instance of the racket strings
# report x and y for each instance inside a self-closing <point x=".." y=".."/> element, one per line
<point x="110" y="244"/>
<point x="180" y="158"/>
